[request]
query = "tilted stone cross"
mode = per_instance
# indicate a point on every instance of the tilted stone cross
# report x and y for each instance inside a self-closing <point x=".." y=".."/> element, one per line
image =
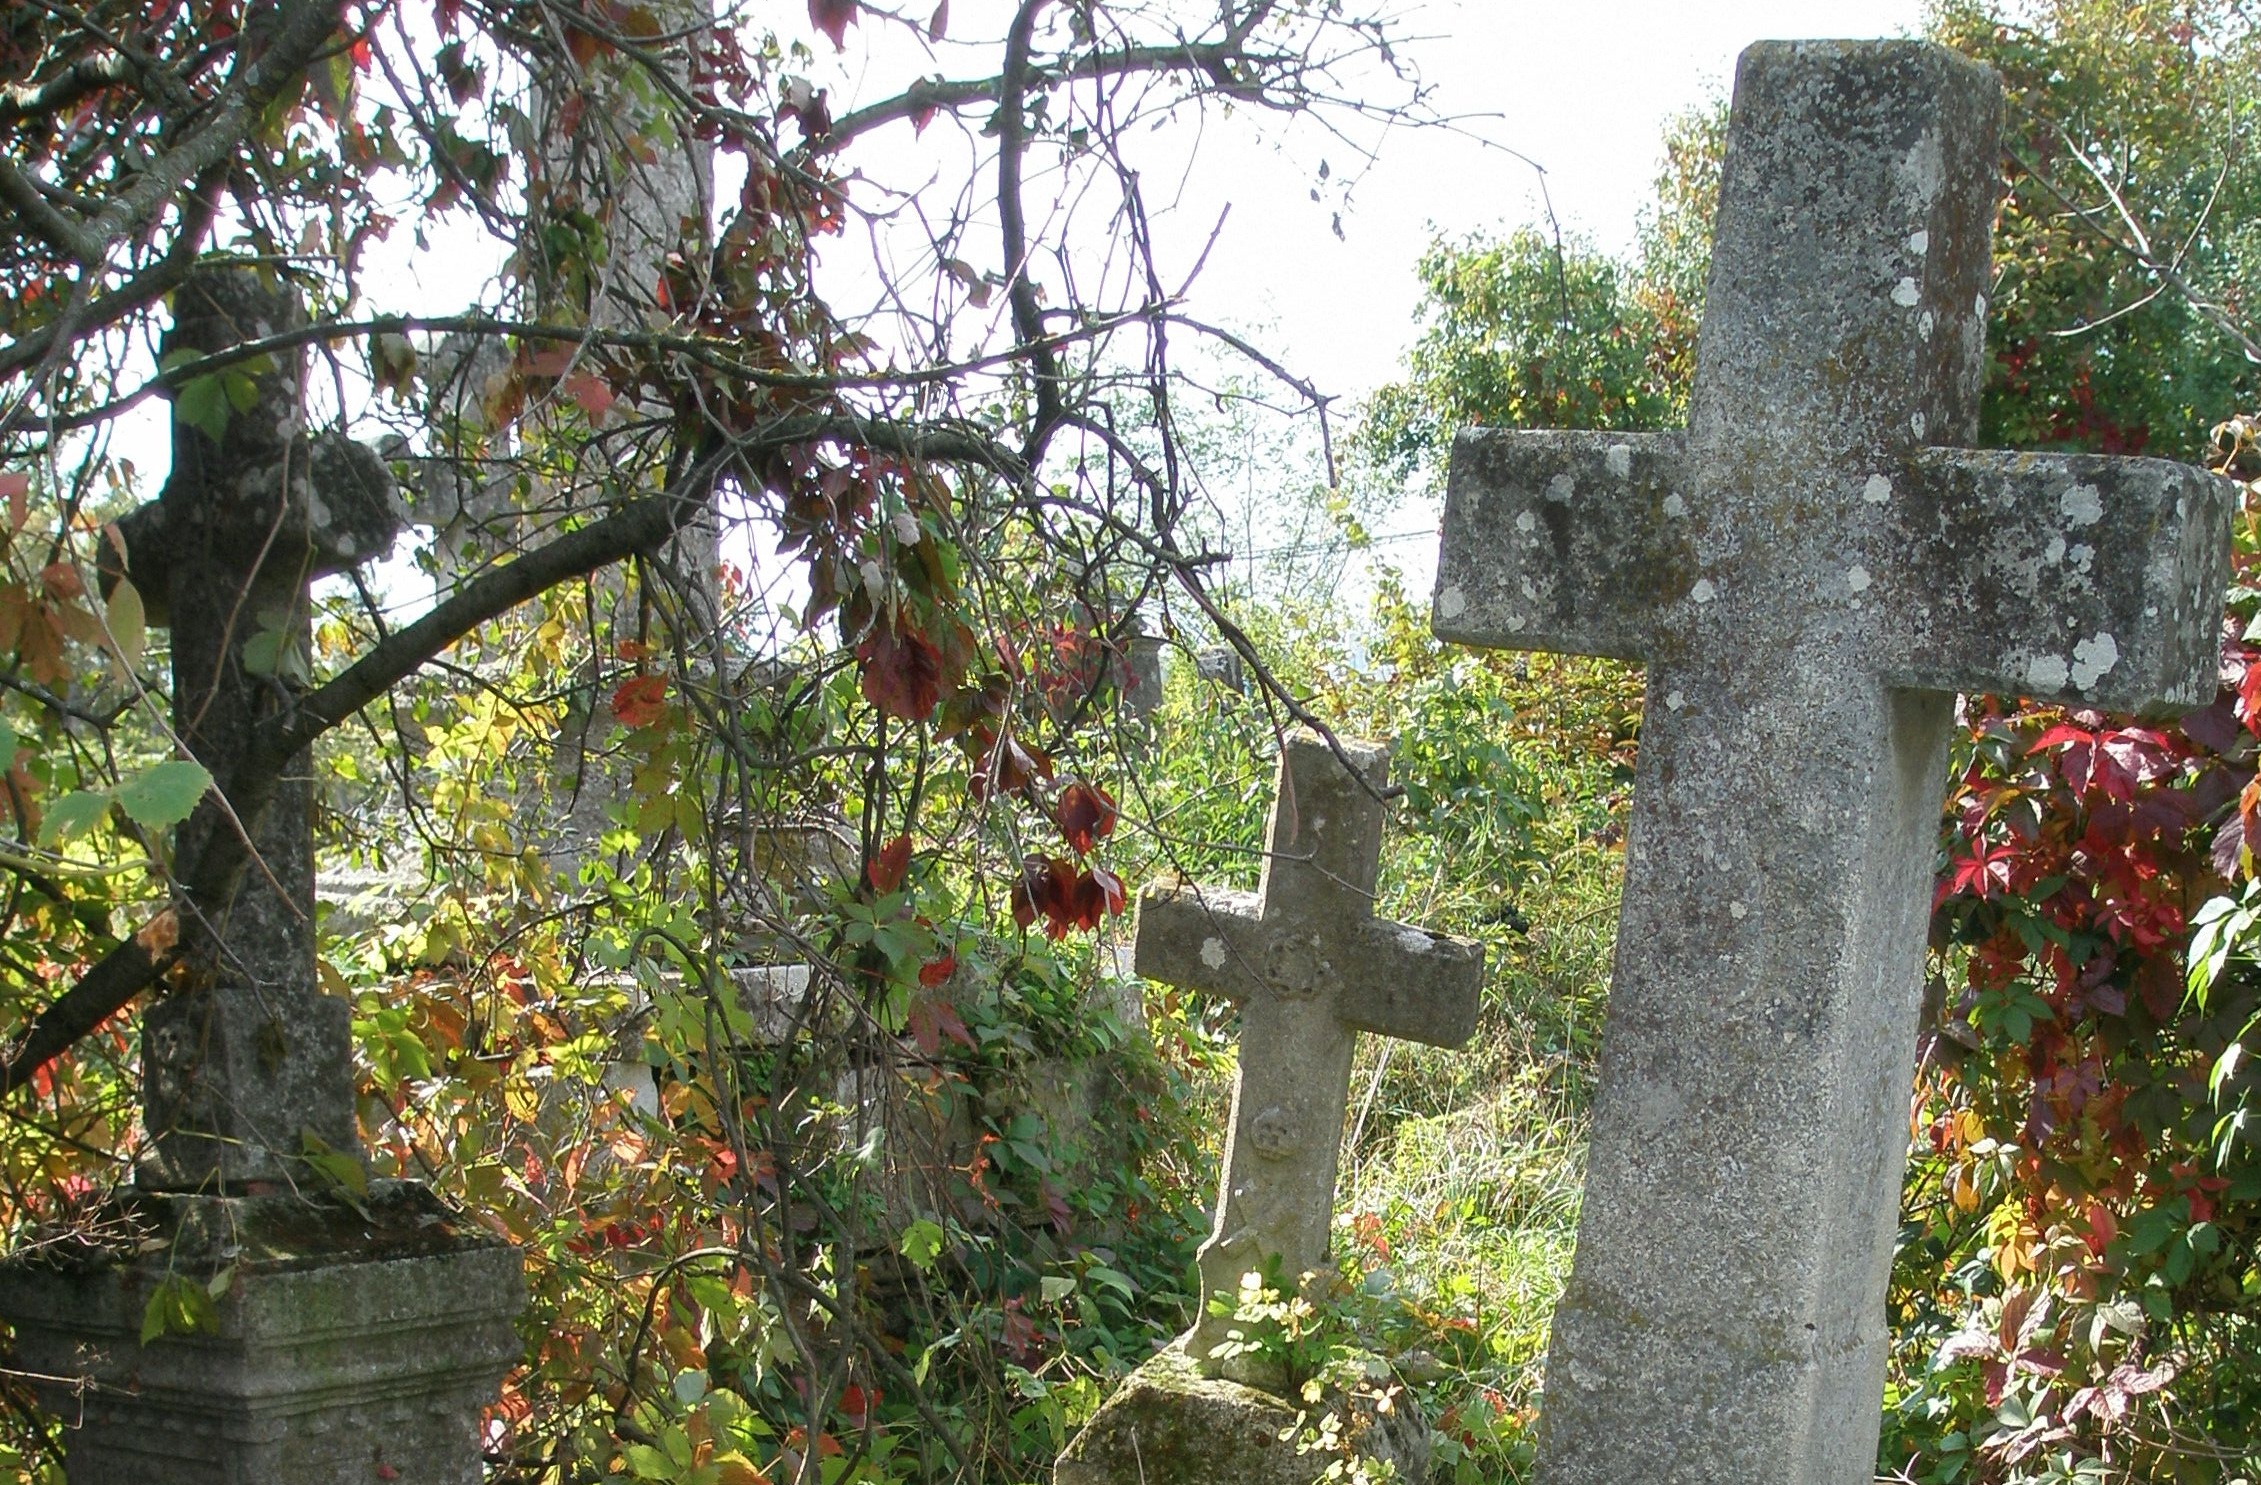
<point x="1810" y="572"/>
<point x="1311" y="967"/>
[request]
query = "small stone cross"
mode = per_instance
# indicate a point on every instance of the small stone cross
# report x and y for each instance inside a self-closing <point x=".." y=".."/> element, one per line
<point x="247" y="1056"/>
<point x="1810" y="572"/>
<point x="1310" y="967"/>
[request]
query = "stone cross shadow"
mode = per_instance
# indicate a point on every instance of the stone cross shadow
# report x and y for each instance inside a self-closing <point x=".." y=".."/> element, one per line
<point x="1810" y="572"/>
<point x="1310" y="967"/>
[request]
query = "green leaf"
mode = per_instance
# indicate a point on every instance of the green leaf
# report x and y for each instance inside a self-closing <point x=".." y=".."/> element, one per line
<point x="164" y="795"/>
<point x="202" y="403"/>
<point x="339" y="1170"/>
<point x="72" y="816"/>
<point x="921" y="1243"/>
<point x="178" y="1306"/>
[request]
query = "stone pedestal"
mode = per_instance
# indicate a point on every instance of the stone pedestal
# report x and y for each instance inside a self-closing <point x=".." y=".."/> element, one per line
<point x="1170" y="1425"/>
<point x="354" y="1342"/>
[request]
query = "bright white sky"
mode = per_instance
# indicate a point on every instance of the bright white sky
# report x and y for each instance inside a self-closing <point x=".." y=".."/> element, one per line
<point x="1583" y="89"/>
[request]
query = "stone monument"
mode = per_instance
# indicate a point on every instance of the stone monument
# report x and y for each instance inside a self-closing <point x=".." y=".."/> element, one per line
<point x="353" y="1331"/>
<point x="1810" y="572"/>
<point x="1310" y="967"/>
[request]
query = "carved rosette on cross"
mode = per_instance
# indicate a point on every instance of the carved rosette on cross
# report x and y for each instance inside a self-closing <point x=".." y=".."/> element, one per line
<point x="1810" y="572"/>
<point x="1310" y="967"/>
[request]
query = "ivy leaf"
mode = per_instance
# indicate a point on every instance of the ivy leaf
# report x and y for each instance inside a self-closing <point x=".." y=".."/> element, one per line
<point x="1085" y="815"/>
<point x="202" y="403"/>
<point x="902" y="673"/>
<point x="590" y="394"/>
<point x="640" y="701"/>
<point x="887" y="868"/>
<point x="129" y="627"/>
<point x="165" y="794"/>
<point x="921" y="1243"/>
<point x="833" y="17"/>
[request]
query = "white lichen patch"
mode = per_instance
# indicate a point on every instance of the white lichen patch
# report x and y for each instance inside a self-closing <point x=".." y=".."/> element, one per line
<point x="1878" y="490"/>
<point x="1919" y="242"/>
<point x="1737" y="911"/>
<point x="1674" y="506"/>
<point x="1925" y="324"/>
<point x="2081" y="557"/>
<point x="2082" y="505"/>
<point x="1561" y="487"/>
<point x="1675" y="701"/>
<point x="1917" y="425"/>
<point x="1526" y="523"/>
<point x="2093" y="658"/>
<point x="2055" y="551"/>
<point x="1451" y="602"/>
<point x="1621" y="460"/>
<point x="1703" y="592"/>
<point x="1857" y="578"/>
<point x="1213" y="953"/>
<point x="1414" y="941"/>
<point x="1923" y="170"/>
<point x="2047" y="672"/>
<point x="1530" y="589"/>
<point x="1907" y="293"/>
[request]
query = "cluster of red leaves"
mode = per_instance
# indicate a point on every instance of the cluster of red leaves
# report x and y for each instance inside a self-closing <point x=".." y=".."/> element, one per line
<point x="1054" y="888"/>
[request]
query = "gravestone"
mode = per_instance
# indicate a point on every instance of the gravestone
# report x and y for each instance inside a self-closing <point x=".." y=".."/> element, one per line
<point x="1810" y="572"/>
<point x="356" y="1335"/>
<point x="1310" y="967"/>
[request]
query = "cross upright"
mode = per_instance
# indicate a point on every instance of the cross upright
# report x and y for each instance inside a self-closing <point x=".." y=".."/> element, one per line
<point x="1310" y="967"/>
<point x="1810" y="572"/>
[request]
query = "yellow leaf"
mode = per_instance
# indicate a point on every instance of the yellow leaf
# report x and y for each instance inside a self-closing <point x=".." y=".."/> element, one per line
<point x="737" y="1469"/>
<point x="129" y="628"/>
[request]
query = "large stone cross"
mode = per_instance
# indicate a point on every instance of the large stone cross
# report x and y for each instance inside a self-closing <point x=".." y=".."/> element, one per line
<point x="247" y="1058"/>
<point x="1311" y="967"/>
<point x="1810" y="572"/>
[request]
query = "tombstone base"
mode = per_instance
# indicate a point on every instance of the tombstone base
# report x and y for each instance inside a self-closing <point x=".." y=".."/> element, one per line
<point x="1170" y="1425"/>
<point x="352" y="1343"/>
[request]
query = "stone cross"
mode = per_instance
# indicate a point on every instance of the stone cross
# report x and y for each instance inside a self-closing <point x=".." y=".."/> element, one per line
<point x="240" y="1064"/>
<point x="356" y="1338"/>
<point x="1810" y="572"/>
<point x="1310" y="967"/>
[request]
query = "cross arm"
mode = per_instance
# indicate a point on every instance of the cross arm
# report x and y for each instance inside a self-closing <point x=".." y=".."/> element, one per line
<point x="1200" y="938"/>
<point x="1412" y="984"/>
<point x="1560" y="541"/>
<point x="2073" y="578"/>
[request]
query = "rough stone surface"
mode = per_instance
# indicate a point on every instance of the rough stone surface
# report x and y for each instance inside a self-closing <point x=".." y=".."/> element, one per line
<point x="349" y="1342"/>
<point x="1809" y="572"/>
<point x="353" y="1339"/>
<point x="1311" y="967"/>
<point x="238" y="1065"/>
<point x="1170" y="1424"/>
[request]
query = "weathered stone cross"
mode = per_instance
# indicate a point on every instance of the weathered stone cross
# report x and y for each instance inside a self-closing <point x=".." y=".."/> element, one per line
<point x="1810" y="571"/>
<point x="355" y="1338"/>
<point x="1311" y="967"/>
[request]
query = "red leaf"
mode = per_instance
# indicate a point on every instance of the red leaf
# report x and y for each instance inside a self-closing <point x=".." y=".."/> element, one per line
<point x="1084" y="814"/>
<point x="922" y="114"/>
<point x="833" y="17"/>
<point x="887" y="868"/>
<point x="939" y="27"/>
<point x="589" y="390"/>
<point x="938" y="971"/>
<point x="640" y="701"/>
<point x="552" y="361"/>
<point x="902" y="673"/>
<point x="15" y="488"/>
<point x="931" y="1021"/>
